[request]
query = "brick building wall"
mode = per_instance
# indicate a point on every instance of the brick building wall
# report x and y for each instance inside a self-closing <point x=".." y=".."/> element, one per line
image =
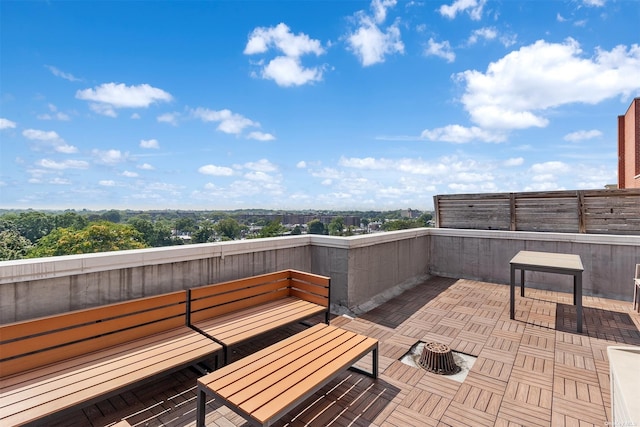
<point x="629" y="147"/>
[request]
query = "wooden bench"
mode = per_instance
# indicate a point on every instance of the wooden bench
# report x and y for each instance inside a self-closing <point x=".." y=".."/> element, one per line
<point x="51" y="364"/>
<point x="268" y="384"/>
<point x="238" y="310"/>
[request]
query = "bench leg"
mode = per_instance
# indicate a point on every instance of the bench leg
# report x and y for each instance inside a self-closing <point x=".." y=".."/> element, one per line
<point x="201" y="408"/>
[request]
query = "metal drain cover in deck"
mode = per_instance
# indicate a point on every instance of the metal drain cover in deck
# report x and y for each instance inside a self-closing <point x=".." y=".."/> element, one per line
<point x="438" y="358"/>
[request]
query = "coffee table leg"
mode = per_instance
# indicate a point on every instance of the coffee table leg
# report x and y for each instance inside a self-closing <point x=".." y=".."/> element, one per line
<point x="201" y="407"/>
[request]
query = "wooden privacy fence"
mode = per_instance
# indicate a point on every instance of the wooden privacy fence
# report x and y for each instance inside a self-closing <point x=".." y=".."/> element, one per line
<point x="581" y="211"/>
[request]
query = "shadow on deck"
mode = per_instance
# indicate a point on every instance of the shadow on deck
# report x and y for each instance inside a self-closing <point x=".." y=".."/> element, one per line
<point x="535" y="370"/>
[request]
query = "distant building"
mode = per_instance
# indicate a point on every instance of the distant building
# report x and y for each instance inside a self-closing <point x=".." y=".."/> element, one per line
<point x="629" y="147"/>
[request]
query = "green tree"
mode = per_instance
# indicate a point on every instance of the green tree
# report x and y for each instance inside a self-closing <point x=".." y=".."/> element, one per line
<point x="424" y="219"/>
<point x="272" y="229"/>
<point x="33" y="225"/>
<point x="400" y="224"/>
<point x="71" y="219"/>
<point x="296" y="230"/>
<point x="185" y="225"/>
<point x="203" y="234"/>
<point x="336" y="226"/>
<point x="13" y="245"/>
<point x="228" y="229"/>
<point x="112" y="216"/>
<point x="101" y="236"/>
<point x="315" y="226"/>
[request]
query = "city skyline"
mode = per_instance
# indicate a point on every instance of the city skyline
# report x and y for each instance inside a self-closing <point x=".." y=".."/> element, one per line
<point x="375" y="105"/>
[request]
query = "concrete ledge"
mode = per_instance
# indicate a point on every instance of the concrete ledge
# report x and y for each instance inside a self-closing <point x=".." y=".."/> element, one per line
<point x="594" y="239"/>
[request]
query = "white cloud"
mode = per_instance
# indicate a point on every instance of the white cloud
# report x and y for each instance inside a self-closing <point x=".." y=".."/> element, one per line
<point x="7" y="124"/>
<point x="472" y="7"/>
<point x="582" y="135"/>
<point x="369" y="42"/>
<point x="109" y="157"/>
<point x="301" y="164"/>
<point x="130" y="174"/>
<point x="552" y="167"/>
<point x="286" y="69"/>
<point x="110" y="96"/>
<point x="215" y="170"/>
<point x="229" y="122"/>
<point x="107" y="183"/>
<point x="50" y="138"/>
<point x="262" y="165"/>
<point x="442" y="50"/>
<point x="149" y="143"/>
<point x="135" y="116"/>
<point x="41" y="135"/>
<point x="261" y="136"/>
<point x="594" y="3"/>
<point x="146" y="166"/>
<point x="171" y="118"/>
<point x="515" y="161"/>
<point x="66" y="164"/>
<point x="461" y="134"/>
<point x="517" y="89"/>
<point x="58" y="73"/>
<point x="55" y="114"/>
<point x="487" y="33"/>
<point x="281" y="38"/>
<point x="59" y="181"/>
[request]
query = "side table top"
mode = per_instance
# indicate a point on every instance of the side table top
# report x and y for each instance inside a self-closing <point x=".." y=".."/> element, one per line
<point x="548" y="259"/>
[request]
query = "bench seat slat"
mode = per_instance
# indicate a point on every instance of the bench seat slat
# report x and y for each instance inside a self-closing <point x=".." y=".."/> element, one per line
<point x="110" y="373"/>
<point x="238" y="326"/>
<point x="238" y="336"/>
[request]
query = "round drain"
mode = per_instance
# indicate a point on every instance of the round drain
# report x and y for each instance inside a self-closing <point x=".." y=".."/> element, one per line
<point x="438" y="358"/>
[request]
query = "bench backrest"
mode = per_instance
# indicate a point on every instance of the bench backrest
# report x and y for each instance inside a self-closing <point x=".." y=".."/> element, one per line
<point x="222" y="298"/>
<point x="38" y="342"/>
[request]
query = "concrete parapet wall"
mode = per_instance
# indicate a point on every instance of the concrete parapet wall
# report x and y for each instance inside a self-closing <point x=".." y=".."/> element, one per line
<point x="362" y="268"/>
<point x="609" y="260"/>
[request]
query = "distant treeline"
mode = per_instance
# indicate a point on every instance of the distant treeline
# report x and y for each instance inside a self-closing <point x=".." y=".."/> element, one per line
<point x="31" y="233"/>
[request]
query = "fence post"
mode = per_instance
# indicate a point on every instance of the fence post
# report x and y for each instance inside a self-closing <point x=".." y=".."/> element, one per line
<point x="512" y="211"/>
<point x="436" y="209"/>
<point x="581" y="214"/>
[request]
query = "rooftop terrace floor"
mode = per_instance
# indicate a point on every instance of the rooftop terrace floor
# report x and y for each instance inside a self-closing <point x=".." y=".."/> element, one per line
<point x="533" y="371"/>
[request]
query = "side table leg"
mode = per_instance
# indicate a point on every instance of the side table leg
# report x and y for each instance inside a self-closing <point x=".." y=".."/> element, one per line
<point x="512" y="298"/>
<point x="577" y="284"/>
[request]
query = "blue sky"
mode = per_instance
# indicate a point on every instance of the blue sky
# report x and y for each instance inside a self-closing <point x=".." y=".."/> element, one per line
<point x="309" y="104"/>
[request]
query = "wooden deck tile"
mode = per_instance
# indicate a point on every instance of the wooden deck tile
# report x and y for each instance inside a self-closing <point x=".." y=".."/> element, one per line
<point x="531" y="371"/>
